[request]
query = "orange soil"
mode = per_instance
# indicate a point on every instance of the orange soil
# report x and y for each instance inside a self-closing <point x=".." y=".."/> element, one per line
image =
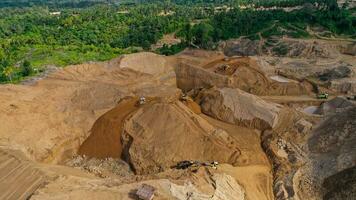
<point x="105" y="138"/>
<point x="192" y="105"/>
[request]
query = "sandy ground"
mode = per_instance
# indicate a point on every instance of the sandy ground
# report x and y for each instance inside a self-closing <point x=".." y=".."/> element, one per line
<point x="76" y="110"/>
<point x="254" y="172"/>
<point x="256" y="179"/>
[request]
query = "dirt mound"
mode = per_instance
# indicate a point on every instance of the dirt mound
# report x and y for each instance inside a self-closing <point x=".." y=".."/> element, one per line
<point x="197" y="57"/>
<point x="146" y="62"/>
<point x="242" y="73"/>
<point x="105" y="135"/>
<point x="238" y="107"/>
<point x="51" y="118"/>
<point x="159" y="135"/>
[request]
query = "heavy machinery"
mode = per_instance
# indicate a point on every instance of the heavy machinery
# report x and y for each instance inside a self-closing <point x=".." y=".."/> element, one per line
<point x="142" y="100"/>
<point x="184" y="97"/>
<point x="351" y="97"/>
<point x="185" y="164"/>
<point x="322" y="96"/>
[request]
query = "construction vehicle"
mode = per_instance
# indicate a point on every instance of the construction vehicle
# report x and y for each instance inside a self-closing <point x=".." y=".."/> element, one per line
<point x="142" y="100"/>
<point x="195" y="164"/>
<point x="184" y="97"/>
<point x="352" y="97"/>
<point x="184" y="164"/>
<point x="322" y="96"/>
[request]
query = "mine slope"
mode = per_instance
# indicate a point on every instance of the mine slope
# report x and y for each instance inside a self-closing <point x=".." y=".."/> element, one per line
<point x="80" y="132"/>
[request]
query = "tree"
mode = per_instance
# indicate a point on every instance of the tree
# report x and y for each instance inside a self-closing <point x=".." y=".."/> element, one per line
<point x="187" y="33"/>
<point x="203" y="34"/>
<point x="26" y="68"/>
<point x="8" y="72"/>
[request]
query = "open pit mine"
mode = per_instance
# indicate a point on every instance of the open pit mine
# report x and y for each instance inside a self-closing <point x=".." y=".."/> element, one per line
<point x="239" y="123"/>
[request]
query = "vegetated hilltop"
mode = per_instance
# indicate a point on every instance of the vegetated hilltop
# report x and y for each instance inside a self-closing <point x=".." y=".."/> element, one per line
<point x="35" y="38"/>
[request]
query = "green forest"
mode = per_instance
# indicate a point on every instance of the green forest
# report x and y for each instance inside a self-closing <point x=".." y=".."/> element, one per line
<point x="35" y="34"/>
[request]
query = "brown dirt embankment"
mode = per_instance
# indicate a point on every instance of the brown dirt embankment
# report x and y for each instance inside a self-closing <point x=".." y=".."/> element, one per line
<point x="105" y="138"/>
<point x="243" y="73"/>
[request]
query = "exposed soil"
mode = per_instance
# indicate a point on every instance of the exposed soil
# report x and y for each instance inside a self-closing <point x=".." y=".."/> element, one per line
<point x="105" y="136"/>
<point x="237" y="111"/>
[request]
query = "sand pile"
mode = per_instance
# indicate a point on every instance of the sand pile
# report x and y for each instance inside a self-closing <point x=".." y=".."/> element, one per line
<point x="161" y="134"/>
<point x="84" y="107"/>
<point x="243" y="73"/>
<point x="238" y="107"/>
<point x="339" y="72"/>
<point x="146" y="62"/>
<point x="51" y="118"/>
<point x="105" y="135"/>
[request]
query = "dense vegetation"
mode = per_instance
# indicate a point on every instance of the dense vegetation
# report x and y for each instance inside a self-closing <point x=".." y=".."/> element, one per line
<point x="38" y="33"/>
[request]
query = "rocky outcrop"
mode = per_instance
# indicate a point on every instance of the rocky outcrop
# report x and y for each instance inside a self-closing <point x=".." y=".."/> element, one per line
<point x="341" y="186"/>
<point x="240" y="47"/>
<point x="308" y="49"/>
<point x="342" y="71"/>
<point x="238" y="107"/>
<point x="226" y="189"/>
<point x="330" y="151"/>
<point x="345" y="86"/>
<point x="335" y="105"/>
<point x="280" y="47"/>
<point x="350" y="49"/>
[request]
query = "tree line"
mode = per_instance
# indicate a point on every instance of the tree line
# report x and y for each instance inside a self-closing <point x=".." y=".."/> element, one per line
<point x="34" y="37"/>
